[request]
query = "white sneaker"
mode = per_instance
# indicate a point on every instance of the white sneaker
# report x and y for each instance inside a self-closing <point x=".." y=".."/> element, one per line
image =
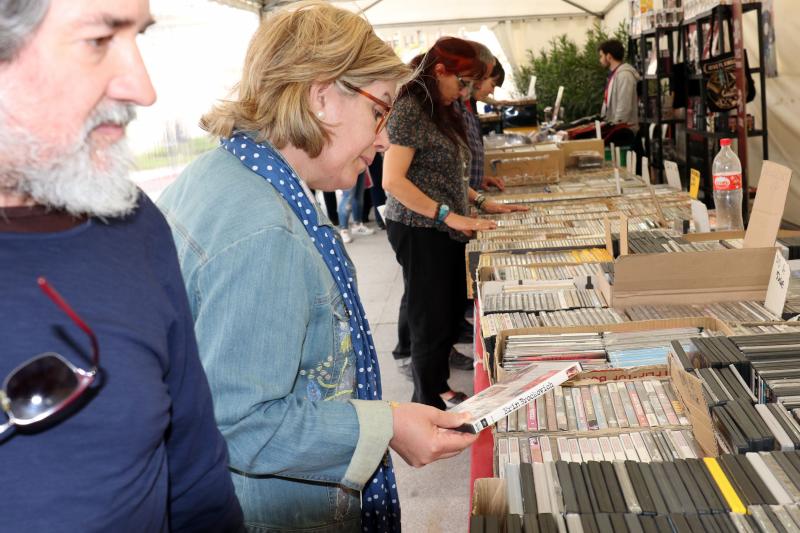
<point x="346" y="237"/>
<point x="361" y="229"/>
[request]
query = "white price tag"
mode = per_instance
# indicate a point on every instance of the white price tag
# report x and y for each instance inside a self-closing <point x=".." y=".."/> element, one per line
<point x="700" y="217"/>
<point x="616" y="179"/>
<point x="597" y="129"/>
<point x="673" y="176"/>
<point x="646" y="170"/>
<point x="778" y="284"/>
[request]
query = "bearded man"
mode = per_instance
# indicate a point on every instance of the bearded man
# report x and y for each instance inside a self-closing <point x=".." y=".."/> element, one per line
<point x="115" y="432"/>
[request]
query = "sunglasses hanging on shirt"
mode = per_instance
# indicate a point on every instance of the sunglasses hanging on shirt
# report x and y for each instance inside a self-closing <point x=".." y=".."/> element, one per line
<point x="48" y="383"/>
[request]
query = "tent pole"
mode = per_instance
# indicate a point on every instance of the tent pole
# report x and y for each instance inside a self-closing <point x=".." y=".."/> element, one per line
<point x="576" y="4"/>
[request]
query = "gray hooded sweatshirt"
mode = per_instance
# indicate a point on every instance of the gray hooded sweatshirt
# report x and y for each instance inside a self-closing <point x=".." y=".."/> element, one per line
<point x="622" y="106"/>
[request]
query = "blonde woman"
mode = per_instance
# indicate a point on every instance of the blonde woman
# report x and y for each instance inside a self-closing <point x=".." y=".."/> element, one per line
<point x="282" y="333"/>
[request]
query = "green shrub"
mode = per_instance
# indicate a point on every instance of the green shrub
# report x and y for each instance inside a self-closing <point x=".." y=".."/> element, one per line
<point x="576" y="68"/>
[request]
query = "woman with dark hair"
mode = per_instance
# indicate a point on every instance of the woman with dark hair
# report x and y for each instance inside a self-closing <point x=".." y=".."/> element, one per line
<point x="425" y="176"/>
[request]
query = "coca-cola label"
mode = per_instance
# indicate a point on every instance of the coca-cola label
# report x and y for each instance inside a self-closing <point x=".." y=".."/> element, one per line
<point x="731" y="182"/>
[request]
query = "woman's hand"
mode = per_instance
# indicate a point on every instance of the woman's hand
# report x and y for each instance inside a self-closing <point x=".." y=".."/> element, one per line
<point x="493" y="181"/>
<point x="494" y="208"/>
<point x="468" y="225"/>
<point x="424" y="434"/>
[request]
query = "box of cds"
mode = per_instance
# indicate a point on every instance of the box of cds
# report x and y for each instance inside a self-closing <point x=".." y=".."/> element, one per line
<point x="653" y="413"/>
<point x="626" y="344"/>
<point x="526" y="166"/>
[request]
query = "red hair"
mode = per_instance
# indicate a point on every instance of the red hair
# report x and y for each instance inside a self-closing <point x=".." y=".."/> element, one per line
<point x="457" y="56"/>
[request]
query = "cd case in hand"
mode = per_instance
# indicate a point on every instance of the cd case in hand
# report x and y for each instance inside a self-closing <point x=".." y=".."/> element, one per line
<point x="516" y="390"/>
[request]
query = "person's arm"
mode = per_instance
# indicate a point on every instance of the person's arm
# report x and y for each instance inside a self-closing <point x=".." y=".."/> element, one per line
<point x="252" y="340"/>
<point x="255" y="304"/>
<point x="201" y="491"/>
<point x="624" y="94"/>
<point x="491" y="207"/>
<point x="396" y="163"/>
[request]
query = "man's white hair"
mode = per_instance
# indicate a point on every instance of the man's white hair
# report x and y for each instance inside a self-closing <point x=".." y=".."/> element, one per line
<point x="72" y="177"/>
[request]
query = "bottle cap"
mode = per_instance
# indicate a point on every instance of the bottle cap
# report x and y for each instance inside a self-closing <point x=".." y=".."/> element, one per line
<point x="724" y="142"/>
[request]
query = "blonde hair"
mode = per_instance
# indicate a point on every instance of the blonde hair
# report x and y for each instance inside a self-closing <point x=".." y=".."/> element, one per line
<point x="292" y="49"/>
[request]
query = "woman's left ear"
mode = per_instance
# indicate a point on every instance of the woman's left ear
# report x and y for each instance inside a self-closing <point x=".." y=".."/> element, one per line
<point x="318" y="94"/>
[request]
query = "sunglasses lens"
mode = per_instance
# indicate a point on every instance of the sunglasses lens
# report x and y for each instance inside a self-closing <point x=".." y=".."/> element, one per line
<point x="40" y="386"/>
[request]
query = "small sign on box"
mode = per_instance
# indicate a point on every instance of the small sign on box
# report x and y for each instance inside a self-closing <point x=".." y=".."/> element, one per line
<point x="778" y="284"/>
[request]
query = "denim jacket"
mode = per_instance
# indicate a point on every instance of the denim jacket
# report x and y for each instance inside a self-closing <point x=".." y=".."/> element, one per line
<point x="275" y="343"/>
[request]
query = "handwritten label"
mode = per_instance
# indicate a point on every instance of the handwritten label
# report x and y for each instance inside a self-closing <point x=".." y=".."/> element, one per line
<point x="694" y="183"/>
<point x="778" y="284"/>
<point x="673" y="176"/>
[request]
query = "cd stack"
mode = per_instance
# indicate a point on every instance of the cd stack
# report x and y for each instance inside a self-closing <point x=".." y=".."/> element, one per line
<point x="619" y="406"/>
<point x="543" y="299"/>
<point x="776" y="367"/>
<point x="756" y="492"/>
<point x="621" y="349"/>
<point x="743" y="424"/>
<point x="660" y="241"/>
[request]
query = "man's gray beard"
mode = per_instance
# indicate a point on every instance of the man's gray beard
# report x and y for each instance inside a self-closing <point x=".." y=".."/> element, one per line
<point x="68" y="178"/>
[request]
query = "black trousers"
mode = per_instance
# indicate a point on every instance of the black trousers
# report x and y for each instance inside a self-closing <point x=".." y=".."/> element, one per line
<point x="433" y="303"/>
<point x="330" y="207"/>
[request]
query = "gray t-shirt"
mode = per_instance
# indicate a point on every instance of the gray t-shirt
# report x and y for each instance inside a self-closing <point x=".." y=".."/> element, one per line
<point x="438" y="169"/>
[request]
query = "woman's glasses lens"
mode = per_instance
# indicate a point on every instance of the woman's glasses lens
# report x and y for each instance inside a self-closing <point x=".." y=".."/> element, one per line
<point x="40" y="386"/>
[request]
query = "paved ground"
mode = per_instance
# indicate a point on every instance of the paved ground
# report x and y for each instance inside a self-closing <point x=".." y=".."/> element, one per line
<point x="434" y="498"/>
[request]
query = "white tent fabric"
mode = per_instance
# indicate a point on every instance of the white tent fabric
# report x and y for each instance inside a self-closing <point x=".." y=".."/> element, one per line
<point x="423" y="12"/>
<point x="783" y="101"/>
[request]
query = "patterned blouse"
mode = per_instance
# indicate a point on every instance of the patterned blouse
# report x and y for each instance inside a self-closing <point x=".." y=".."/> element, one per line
<point x="439" y="166"/>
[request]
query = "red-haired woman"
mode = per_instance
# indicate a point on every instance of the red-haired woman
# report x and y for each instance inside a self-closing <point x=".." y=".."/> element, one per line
<point x="424" y="175"/>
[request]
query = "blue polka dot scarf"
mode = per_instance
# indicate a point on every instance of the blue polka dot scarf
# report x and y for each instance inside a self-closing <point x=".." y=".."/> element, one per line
<point x="380" y="510"/>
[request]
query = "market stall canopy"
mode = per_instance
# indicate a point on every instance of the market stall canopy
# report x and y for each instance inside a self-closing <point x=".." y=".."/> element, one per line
<point x="395" y="13"/>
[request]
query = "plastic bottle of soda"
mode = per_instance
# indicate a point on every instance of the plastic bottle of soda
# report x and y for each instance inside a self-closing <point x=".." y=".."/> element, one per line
<point x="727" y="173"/>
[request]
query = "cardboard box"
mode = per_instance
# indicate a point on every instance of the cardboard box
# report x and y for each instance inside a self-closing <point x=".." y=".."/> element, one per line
<point x="530" y="160"/>
<point x="563" y="151"/>
<point x="568" y="149"/>
<point x="490" y="497"/>
<point x="492" y="361"/>
<point x="689" y="277"/>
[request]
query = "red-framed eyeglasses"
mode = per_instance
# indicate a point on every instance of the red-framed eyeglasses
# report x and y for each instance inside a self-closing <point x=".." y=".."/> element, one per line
<point x="387" y="109"/>
<point x="47" y="383"/>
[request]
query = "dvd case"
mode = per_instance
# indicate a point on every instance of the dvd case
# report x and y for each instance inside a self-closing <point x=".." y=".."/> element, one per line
<point x="517" y="390"/>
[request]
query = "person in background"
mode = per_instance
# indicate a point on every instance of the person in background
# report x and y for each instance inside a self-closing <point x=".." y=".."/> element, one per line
<point x="376" y="191"/>
<point x="424" y="174"/>
<point x="131" y="444"/>
<point x="620" y="101"/>
<point x="352" y="203"/>
<point x="483" y="92"/>
<point x="468" y="109"/>
<point x="329" y="197"/>
<point x="282" y="332"/>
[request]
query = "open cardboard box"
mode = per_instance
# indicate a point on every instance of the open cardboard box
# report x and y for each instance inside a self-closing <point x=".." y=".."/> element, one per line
<point x="712" y="276"/>
<point x="490" y="497"/>
<point x="568" y="149"/>
<point x="532" y="160"/>
<point x="689" y="277"/>
<point x="688" y="389"/>
<point x="564" y="153"/>
<point x="497" y="373"/>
